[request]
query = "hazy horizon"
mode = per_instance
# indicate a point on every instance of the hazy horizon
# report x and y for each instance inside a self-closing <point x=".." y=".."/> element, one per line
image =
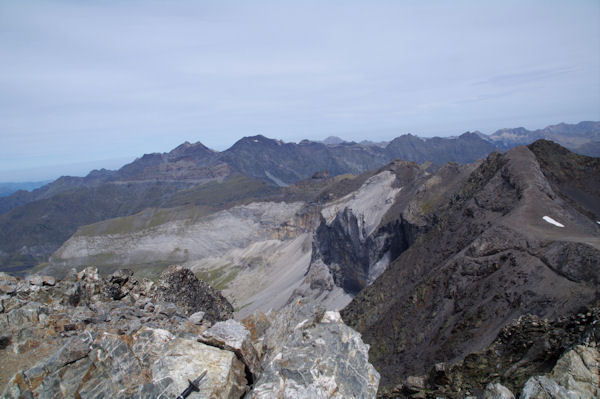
<point x="81" y="169"/>
<point x="85" y="82"/>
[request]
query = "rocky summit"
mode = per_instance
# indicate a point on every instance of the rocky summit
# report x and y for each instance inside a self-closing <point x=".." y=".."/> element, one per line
<point x="121" y="337"/>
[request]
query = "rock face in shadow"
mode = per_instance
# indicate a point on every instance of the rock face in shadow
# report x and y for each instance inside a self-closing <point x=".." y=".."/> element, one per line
<point x="362" y="232"/>
<point x="180" y="286"/>
<point x="489" y="258"/>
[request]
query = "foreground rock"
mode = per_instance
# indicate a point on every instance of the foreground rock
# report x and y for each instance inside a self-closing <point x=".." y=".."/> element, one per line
<point x="576" y="375"/>
<point x="90" y="337"/>
<point x="233" y="336"/>
<point x="312" y="354"/>
<point x="114" y="337"/>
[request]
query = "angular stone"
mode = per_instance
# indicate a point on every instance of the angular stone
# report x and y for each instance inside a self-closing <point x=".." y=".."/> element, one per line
<point x="74" y="349"/>
<point x="578" y="371"/>
<point x="116" y="371"/>
<point x="35" y="279"/>
<point x="169" y="309"/>
<point x="7" y="288"/>
<point x="49" y="281"/>
<point x="185" y="359"/>
<point x="89" y="274"/>
<point x="64" y="383"/>
<point x="542" y="387"/>
<point x="233" y="336"/>
<point x="497" y="391"/>
<point x="197" y="318"/>
<point x="575" y="375"/>
<point x="121" y="276"/>
<point x="26" y="314"/>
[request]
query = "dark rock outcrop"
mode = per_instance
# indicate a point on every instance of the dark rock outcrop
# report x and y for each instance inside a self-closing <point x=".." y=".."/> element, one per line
<point x="489" y="258"/>
<point x="527" y="347"/>
<point x="356" y="254"/>
<point x="181" y="287"/>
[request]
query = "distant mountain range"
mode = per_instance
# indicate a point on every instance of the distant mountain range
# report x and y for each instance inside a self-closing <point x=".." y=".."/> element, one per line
<point x="9" y="188"/>
<point x="582" y="138"/>
<point x="34" y="224"/>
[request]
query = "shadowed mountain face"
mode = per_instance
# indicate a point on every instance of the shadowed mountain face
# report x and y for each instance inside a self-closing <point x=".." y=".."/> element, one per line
<point x="495" y="252"/>
<point x="467" y="148"/>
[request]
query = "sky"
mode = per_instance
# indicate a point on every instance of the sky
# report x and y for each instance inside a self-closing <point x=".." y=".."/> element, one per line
<point x="90" y="84"/>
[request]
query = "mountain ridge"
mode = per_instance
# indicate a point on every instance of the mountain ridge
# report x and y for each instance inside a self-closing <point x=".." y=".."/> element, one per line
<point x="162" y="175"/>
<point x="491" y="256"/>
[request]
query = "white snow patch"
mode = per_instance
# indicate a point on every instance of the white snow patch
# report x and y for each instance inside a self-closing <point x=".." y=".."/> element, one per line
<point x="256" y="141"/>
<point x="552" y="221"/>
<point x="598" y="222"/>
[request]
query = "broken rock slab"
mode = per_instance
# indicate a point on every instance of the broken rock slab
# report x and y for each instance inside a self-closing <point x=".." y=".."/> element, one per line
<point x="186" y="359"/>
<point x="497" y="391"/>
<point x="232" y="335"/>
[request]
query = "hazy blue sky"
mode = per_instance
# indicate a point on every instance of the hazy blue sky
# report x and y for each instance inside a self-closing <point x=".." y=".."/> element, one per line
<point x="82" y="81"/>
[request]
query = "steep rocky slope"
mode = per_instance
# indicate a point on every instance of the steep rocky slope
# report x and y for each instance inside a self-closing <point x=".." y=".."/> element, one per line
<point x="361" y="233"/>
<point x="508" y="243"/>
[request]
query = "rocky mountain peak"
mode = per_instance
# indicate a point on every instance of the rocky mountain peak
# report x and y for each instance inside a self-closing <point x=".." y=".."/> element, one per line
<point x="333" y="140"/>
<point x="254" y="141"/>
<point x="195" y="151"/>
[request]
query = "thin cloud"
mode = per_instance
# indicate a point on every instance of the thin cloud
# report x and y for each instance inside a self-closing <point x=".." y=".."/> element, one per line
<point x="525" y="77"/>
